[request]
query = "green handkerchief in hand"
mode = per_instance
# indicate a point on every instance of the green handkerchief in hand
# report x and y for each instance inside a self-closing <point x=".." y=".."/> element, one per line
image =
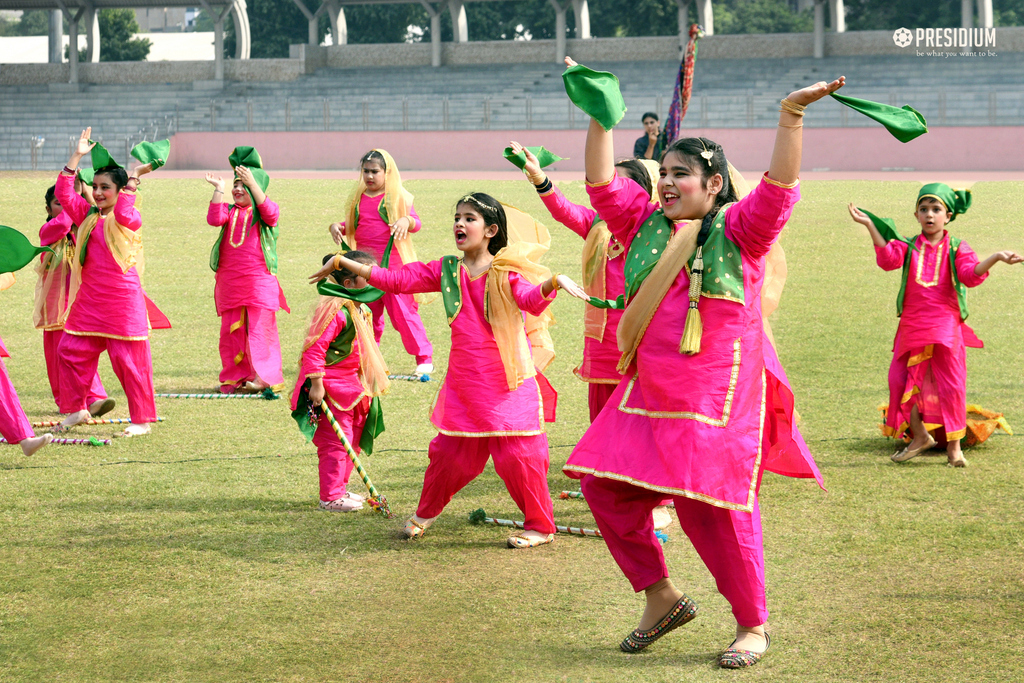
<point x="904" y="123"/>
<point x="545" y="157"/>
<point x="597" y="93"/>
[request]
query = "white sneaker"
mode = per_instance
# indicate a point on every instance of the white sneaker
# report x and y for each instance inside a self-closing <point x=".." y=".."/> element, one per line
<point x="424" y="369"/>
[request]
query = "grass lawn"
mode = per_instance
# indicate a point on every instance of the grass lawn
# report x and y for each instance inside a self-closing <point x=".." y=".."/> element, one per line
<point x="197" y="553"/>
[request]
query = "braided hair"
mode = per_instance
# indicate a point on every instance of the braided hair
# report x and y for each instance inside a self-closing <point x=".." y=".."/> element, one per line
<point x="493" y="213"/>
<point x="691" y="150"/>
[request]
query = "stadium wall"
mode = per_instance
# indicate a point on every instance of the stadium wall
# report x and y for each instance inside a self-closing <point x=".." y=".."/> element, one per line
<point x="831" y="149"/>
<point x="306" y="59"/>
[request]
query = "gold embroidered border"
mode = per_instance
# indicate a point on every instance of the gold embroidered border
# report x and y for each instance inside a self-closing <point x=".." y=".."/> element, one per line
<point x="104" y="334"/>
<point x="661" y="489"/>
<point x="593" y="380"/>
<point x="714" y="422"/>
<point x="920" y="267"/>
<point x="752" y="491"/>
<point x="921" y="357"/>
<point x="776" y="183"/>
<point x="529" y="432"/>
<point x="337" y="405"/>
<point x="958" y="434"/>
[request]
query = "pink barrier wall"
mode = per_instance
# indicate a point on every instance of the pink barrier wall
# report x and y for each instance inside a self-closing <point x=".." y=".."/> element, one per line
<point x="833" y="149"/>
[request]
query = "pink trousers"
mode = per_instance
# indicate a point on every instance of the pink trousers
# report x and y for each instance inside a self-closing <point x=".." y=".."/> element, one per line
<point x="597" y="396"/>
<point x="250" y="350"/>
<point x="14" y="425"/>
<point x="729" y="542"/>
<point x="51" y="340"/>
<point x="520" y="461"/>
<point x="132" y="363"/>
<point x="936" y="382"/>
<point x="335" y="465"/>
<point x="403" y="311"/>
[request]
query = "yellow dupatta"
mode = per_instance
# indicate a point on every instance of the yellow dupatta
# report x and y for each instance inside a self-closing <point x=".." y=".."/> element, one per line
<point x="373" y="371"/>
<point x="52" y="285"/>
<point x="596" y="252"/>
<point x="125" y="247"/>
<point x="528" y="241"/>
<point x="677" y="254"/>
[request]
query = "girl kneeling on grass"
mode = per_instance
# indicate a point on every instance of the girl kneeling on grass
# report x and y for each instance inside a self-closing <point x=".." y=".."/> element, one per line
<point x="247" y="294"/>
<point x="341" y="365"/>
<point x="381" y="210"/>
<point x="489" y="404"/>
<point x="928" y="374"/>
<point x="702" y="410"/>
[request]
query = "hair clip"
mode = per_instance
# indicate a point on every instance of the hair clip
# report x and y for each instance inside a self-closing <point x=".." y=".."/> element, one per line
<point x="707" y="153"/>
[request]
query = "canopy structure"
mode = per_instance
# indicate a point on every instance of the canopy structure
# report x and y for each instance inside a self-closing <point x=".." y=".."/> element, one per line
<point x="83" y="12"/>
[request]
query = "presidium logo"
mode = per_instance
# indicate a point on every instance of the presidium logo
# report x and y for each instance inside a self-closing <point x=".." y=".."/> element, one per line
<point x="945" y="37"/>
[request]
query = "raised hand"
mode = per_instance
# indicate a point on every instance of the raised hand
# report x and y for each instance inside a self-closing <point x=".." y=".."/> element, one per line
<point x="245" y="175"/>
<point x="84" y="144"/>
<point x="338" y="232"/>
<point x="143" y="169"/>
<point x="813" y="93"/>
<point x="216" y="181"/>
<point x="400" y="228"/>
<point x="570" y="62"/>
<point x="322" y="274"/>
<point x="1009" y="257"/>
<point x="859" y="216"/>
<point x="571" y="288"/>
<point x="532" y="167"/>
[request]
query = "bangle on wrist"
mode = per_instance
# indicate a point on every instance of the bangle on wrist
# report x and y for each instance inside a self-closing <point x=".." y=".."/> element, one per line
<point x="554" y="282"/>
<point x="337" y="264"/>
<point x="791" y="107"/>
<point x="69" y="170"/>
<point x="369" y="271"/>
<point x="544" y="187"/>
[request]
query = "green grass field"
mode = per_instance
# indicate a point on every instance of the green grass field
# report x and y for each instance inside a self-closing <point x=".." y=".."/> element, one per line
<point x="197" y="553"/>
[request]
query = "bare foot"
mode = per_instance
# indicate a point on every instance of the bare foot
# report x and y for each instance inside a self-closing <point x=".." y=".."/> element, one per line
<point x="661" y="598"/>
<point x="751" y="639"/>
<point x="31" y="445"/>
<point x="75" y="418"/>
<point x="137" y="430"/>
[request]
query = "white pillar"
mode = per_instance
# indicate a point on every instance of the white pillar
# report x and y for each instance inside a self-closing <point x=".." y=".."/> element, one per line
<point x="560" y="11"/>
<point x="460" y="29"/>
<point x="243" y="38"/>
<point x="683" y="15"/>
<point x="967" y="13"/>
<point x="73" y="45"/>
<point x="819" y="29"/>
<point x="581" y="10"/>
<point x="837" y="13"/>
<point x="56" y="37"/>
<point x="339" y="26"/>
<point x="985" y="19"/>
<point x="706" y="16"/>
<point x="435" y="33"/>
<point x="218" y="35"/>
<point x="92" y="43"/>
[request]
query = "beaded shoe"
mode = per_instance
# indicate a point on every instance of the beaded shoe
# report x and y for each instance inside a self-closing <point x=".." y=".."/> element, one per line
<point x="742" y="659"/>
<point x="684" y="611"/>
<point x="414" y="529"/>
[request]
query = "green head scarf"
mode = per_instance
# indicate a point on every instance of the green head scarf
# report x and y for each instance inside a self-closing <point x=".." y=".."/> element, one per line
<point x="101" y="157"/>
<point x="905" y="123"/>
<point x="955" y="201"/>
<point x="86" y="175"/>
<point x="250" y="158"/>
<point x="155" y="153"/>
<point x="597" y="93"/>
<point x="544" y="157"/>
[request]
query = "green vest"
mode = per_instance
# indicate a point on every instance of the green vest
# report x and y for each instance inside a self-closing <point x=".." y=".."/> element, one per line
<point x="887" y="229"/>
<point x="723" y="264"/>
<point x="451" y="289"/>
<point x="341" y="347"/>
<point x="268" y="242"/>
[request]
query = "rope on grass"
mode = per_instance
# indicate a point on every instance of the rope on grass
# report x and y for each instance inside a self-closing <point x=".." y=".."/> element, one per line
<point x="267" y="394"/>
<point x="91" y="441"/>
<point x="92" y="421"/>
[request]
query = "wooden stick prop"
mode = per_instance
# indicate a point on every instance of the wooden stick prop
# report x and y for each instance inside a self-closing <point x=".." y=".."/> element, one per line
<point x="93" y="421"/>
<point x="376" y="500"/>
<point x="410" y="378"/>
<point x="267" y="395"/>
<point x="91" y="441"/>
<point x="478" y="516"/>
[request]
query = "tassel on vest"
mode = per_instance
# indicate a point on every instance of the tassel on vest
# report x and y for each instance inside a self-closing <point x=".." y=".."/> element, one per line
<point x="693" y="330"/>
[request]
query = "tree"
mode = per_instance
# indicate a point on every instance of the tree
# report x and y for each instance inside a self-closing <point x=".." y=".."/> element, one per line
<point x="117" y="26"/>
<point x="273" y="26"/>
<point x="31" y="23"/>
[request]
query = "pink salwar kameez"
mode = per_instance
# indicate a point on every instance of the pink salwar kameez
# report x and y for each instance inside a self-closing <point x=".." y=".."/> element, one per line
<point x="929" y="364"/>
<point x="699" y="428"/>
<point x="109" y="314"/>
<point x="247" y="297"/>
<point x="475" y="413"/>
<point x="372" y="235"/>
<point x="53" y="231"/>
<point x="347" y="398"/>
<point x="600" y="356"/>
<point x="14" y="424"/>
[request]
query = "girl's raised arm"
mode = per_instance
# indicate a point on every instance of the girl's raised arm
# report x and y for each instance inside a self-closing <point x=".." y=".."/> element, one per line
<point x="785" y="164"/>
